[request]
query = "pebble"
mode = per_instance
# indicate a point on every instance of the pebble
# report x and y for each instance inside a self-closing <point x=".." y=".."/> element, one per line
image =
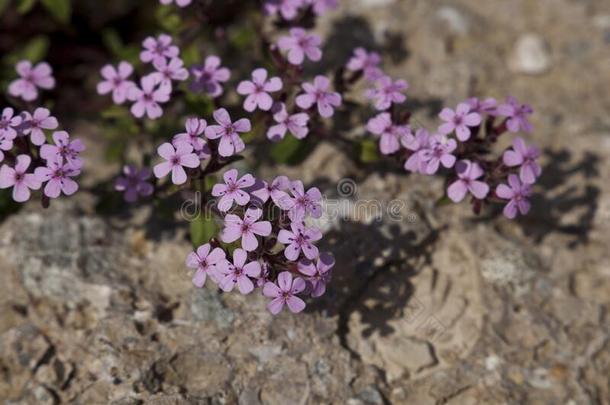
<point x="530" y="55"/>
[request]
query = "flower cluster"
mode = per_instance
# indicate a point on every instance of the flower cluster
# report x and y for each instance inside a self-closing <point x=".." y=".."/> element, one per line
<point x="265" y="224"/>
<point x="462" y="144"/>
<point x="29" y="162"/>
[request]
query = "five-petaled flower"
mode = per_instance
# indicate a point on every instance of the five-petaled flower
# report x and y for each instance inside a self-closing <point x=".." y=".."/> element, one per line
<point x="34" y="125"/>
<point x="32" y="78"/>
<point x="228" y="132"/>
<point x="296" y="124"/>
<point x="468" y="172"/>
<point x="8" y="124"/>
<point x="304" y="203"/>
<point x="517" y="194"/>
<point x="276" y="190"/>
<point x="147" y="99"/>
<point x="438" y="152"/>
<point x="317" y="273"/>
<point x="285" y="292"/>
<point x="246" y="229"/>
<point x="300" y="44"/>
<point x="176" y="159"/>
<point x="168" y="71"/>
<point x="387" y="91"/>
<point x="367" y="62"/>
<point x="239" y="272"/>
<point x="257" y="90"/>
<point x="158" y="48"/>
<point x="389" y="133"/>
<point x="526" y="157"/>
<point x="298" y="239"/>
<point x="288" y="9"/>
<point x="116" y="81"/>
<point x="416" y="144"/>
<point x="206" y="262"/>
<point x="19" y="179"/>
<point x="195" y="128"/>
<point x="460" y="121"/>
<point x="233" y="190"/>
<point x="64" y="148"/>
<point x="209" y="76"/>
<point x="57" y="174"/>
<point x="318" y="93"/>
<point x="517" y="115"/>
<point x="134" y="183"/>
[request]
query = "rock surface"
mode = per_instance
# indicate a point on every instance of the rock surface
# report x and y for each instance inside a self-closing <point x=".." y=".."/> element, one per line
<point x="428" y="304"/>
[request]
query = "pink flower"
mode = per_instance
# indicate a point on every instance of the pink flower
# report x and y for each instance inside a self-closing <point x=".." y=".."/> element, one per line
<point x="166" y="72"/>
<point x="317" y="273"/>
<point x="8" y="124"/>
<point x="367" y="62"/>
<point x="517" y="193"/>
<point x="64" y="149"/>
<point x="17" y="178"/>
<point x="468" y="172"/>
<point x="389" y="134"/>
<point x="488" y="106"/>
<point x="276" y="190"/>
<point x="176" y="160"/>
<point x="416" y="143"/>
<point x="439" y="152"/>
<point x="179" y="3"/>
<point x="257" y="90"/>
<point x="304" y="203"/>
<point x="298" y="239"/>
<point x="300" y="44"/>
<point x="239" y="273"/>
<point x="233" y="190"/>
<point x="194" y="129"/>
<point x="296" y="124"/>
<point x="206" y="263"/>
<point x="287" y="8"/>
<point x="209" y="76"/>
<point x="228" y="132"/>
<point x="148" y="98"/>
<point x="459" y="121"/>
<point x="36" y="123"/>
<point x="40" y="76"/>
<point x="159" y="48"/>
<point x="322" y="6"/>
<point x="285" y="292"/>
<point x="387" y="92"/>
<point x="57" y="175"/>
<point x="134" y="183"/>
<point x="318" y="93"/>
<point x="517" y="115"/>
<point x="246" y="229"/>
<point x="116" y="82"/>
<point x="525" y="157"/>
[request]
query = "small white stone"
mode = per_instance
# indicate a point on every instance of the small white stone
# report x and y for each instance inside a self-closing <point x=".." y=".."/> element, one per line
<point x="531" y="55"/>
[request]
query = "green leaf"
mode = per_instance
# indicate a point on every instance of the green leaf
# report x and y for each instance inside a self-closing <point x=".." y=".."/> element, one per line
<point x="290" y="150"/>
<point x="368" y="151"/>
<point x="61" y="10"/>
<point x="3" y="5"/>
<point x="24" y="6"/>
<point x="203" y="228"/>
<point x="168" y="19"/>
<point x="35" y="50"/>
